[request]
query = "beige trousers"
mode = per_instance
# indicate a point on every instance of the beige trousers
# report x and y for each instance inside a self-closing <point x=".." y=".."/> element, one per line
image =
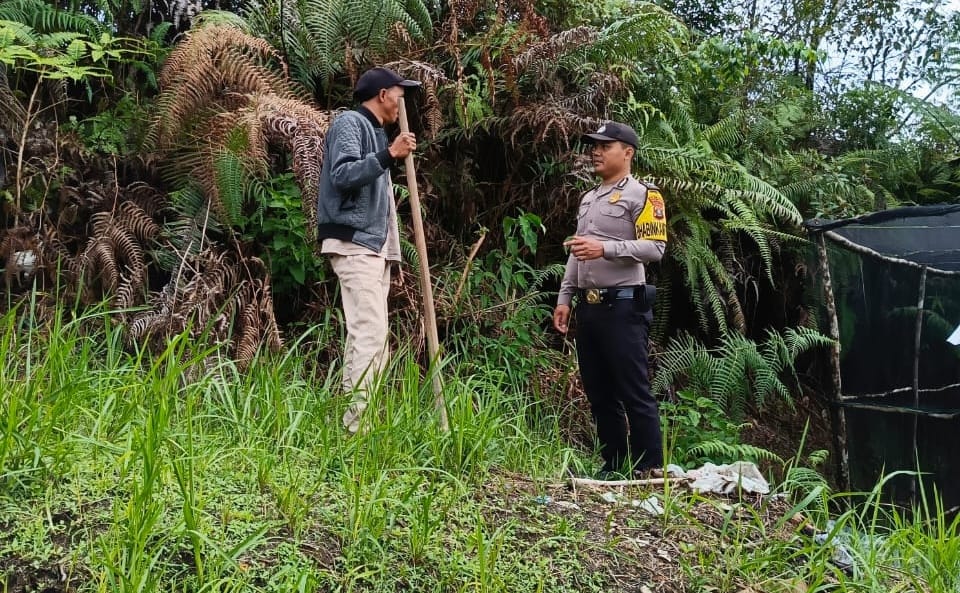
<point x="364" y="287"/>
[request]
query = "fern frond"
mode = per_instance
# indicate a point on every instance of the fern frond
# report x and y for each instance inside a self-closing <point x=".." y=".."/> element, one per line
<point x="230" y="178"/>
<point x="219" y="18"/>
<point x="212" y="69"/>
<point x="545" y="53"/>
<point x="651" y="30"/>
<point x="739" y="373"/>
<point x="45" y="17"/>
<point x="723" y="452"/>
<point x="727" y="133"/>
<point x="324" y="38"/>
<point x="803" y="480"/>
<point x="13" y="31"/>
<point x="674" y="364"/>
<point x="551" y="272"/>
<point x="410" y="255"/>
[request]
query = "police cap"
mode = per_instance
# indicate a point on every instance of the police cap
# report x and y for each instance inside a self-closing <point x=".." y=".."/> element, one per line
<point x="612" y="131"/>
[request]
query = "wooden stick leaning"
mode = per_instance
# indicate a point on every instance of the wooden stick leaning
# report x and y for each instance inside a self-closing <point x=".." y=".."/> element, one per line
<point x="590" y="483"/>
<point x="426" y="287"/>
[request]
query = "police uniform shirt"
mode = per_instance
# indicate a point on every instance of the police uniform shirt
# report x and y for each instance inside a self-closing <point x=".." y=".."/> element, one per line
<point x="630" y="219"/>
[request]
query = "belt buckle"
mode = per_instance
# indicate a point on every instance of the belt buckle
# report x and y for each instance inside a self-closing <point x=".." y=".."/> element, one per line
<point x="593" y="295"/>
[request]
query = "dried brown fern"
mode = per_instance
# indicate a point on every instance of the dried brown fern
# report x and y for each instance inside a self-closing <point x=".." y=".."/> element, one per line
<point x="544" y="53"/>
<point x="113" y="263"/>
<point x="140" y="223"/>
<point x="212" y="69"/>
<point x="114" y="260"/>
<point x="301" y="129"/>
<point x="219" y="296"/>
<point x="546" y="119"/>
<point x="147" y="197"/>
<point x="221" y="97"/>
<point x="12" y="113"/>
<point x="99" y="267"/>
<point x="595" y="98"/>
<point x="57" y="260"/>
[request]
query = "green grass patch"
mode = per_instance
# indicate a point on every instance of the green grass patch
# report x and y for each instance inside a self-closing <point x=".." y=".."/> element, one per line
<point x="125" y="472"/>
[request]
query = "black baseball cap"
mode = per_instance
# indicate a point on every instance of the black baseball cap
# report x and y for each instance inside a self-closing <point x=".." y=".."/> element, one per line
<point x="373" y="80"/>
<point x="612" y="131"/>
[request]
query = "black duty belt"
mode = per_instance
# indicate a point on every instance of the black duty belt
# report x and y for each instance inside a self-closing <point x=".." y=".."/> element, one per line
<point x="595" y="296"/>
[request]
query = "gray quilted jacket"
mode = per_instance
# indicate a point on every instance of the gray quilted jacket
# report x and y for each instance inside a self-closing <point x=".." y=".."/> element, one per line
<point x="354" y="200"/>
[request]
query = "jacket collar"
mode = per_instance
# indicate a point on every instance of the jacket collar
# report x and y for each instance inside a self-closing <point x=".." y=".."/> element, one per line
<point x="370" y="116"/>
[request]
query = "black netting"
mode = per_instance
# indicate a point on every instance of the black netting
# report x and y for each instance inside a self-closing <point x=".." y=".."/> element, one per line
<point x="890" y="427"/>
<point x="880" y="441"/>
<point x="927" y="235"/>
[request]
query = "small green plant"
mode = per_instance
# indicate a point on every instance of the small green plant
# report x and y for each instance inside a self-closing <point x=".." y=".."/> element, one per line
<point x="504" y="304"/>
<point x="697" y="430"/>
<point x="281" y="226"/>
<point x="116" y="131"/>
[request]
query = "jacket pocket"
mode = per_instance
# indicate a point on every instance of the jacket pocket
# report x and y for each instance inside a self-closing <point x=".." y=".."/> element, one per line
<point x="348" y="200"/>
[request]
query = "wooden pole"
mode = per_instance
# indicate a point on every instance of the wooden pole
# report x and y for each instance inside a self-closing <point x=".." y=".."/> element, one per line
<point x="837" y="416"/>
<point x="426" y="287"/>
<point x="918" y="331"/>
<point x="588" y="483"/>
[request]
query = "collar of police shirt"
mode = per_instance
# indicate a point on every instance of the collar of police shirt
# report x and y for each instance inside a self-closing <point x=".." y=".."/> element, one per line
<point x="603" y="188"/>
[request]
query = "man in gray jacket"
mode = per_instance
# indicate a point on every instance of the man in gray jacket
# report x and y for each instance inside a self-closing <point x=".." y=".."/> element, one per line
<point x="357" y="224"/>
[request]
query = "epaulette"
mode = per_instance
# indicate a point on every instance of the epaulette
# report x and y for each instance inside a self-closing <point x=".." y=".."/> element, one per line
<point x="648" y="184"/>
<point x="623" y="182"/>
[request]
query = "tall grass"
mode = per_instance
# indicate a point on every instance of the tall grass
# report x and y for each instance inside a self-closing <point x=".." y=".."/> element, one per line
<point x="193" y="475"/>
<point x="175" y="472"/>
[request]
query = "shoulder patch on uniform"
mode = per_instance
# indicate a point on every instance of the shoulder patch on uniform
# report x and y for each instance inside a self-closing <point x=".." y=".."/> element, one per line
<point x="656" y="202"/>
<point x="652" y="222"/>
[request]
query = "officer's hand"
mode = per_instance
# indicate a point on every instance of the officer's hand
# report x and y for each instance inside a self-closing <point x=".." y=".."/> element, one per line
<point x="403" y="145"/>
<point x="561" y="316"/>
<point x="584" y="248"/>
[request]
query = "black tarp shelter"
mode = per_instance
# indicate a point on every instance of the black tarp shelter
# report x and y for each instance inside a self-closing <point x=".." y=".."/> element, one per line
<point x="891" y="297"/>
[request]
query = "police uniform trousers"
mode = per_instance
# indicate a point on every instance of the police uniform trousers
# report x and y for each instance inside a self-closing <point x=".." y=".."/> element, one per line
<point x="612" y="351"/>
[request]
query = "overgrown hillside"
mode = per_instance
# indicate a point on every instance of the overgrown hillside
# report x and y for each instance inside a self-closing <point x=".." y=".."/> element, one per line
<point x="124" y="471"/>
<point x="171" y="335"/>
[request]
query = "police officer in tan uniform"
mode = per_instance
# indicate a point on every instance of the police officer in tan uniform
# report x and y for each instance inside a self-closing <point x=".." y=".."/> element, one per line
<point x="621" y="225"/>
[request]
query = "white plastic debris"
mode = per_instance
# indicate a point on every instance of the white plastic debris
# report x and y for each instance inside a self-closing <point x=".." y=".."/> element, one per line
<point x="838" y="541"/>
<point x="954" y="338"/>
<point x="724" y="479"/>
<point x="650" y="504"/>
<point x="675" y="471"/>
<point x="25" y="262"/>
<point x="846" y="545"/>
<point x="610" y="497"/>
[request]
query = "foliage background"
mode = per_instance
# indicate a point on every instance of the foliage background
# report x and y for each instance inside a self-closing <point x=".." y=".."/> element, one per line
<point x="162" y="294"/>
